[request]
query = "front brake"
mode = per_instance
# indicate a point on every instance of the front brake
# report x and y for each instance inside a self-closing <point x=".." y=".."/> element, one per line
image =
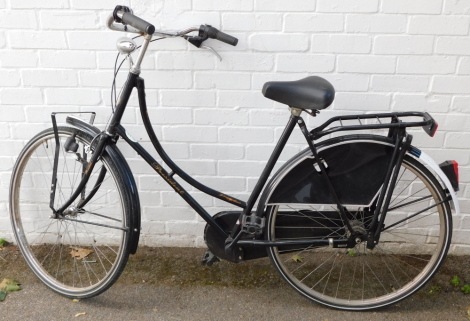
<point x="197" y="42"/>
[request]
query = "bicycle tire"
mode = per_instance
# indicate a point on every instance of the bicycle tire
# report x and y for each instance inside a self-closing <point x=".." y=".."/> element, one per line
<point x="357" y="278"/>
<point x="82" y="253"/>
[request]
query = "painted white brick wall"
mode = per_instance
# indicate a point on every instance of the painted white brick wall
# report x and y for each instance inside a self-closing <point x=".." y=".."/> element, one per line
<point x="381" y="55"/>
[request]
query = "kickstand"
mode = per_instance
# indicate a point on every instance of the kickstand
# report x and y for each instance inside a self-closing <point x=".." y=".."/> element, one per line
<point x="209" y="258"/>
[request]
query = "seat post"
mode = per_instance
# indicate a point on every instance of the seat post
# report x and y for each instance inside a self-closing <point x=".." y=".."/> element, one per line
<point x="295" y="111"/>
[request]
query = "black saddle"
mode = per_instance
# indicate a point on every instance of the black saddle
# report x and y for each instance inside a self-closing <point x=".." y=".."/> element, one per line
<point x="308" y="93"/>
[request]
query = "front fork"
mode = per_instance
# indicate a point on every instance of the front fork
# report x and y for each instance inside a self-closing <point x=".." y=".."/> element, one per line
<point x="88" y="167"/>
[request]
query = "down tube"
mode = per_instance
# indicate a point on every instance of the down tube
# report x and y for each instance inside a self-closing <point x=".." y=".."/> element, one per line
<point x="174" y="184"/>
<point x="169" y="162"/>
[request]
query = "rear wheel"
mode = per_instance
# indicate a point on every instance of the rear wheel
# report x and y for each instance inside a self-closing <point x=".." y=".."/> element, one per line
<point x="81" y="253"/>
<point x="413" y="244"/>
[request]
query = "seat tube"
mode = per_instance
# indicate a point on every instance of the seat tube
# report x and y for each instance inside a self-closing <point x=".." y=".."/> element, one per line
<point x="265" y="174"/>
<point x="271" y="163"/>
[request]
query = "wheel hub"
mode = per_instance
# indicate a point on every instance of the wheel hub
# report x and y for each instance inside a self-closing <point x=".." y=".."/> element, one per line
<point x="71" y="211"/>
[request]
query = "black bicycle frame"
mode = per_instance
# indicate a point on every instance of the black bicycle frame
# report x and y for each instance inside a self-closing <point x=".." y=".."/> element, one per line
<point x="115" y="130"/>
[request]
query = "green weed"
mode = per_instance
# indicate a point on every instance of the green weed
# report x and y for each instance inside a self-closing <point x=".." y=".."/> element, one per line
<point x="435" y="289"/>
<point x="465" y="289"/>
<point x="455" y="281"/>
<point x="3" y="243"/>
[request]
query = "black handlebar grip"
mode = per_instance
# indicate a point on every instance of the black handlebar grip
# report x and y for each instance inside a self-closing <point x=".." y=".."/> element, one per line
<point x="139" y="24"/>
<point x="219" y="35"/>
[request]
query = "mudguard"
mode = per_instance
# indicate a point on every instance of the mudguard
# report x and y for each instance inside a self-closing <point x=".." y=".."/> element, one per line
<point x="435" y="167"/>
<point x="133" y="195"/>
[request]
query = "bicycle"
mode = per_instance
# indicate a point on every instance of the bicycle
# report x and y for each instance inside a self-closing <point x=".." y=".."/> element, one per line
<point x="355" y="222"/>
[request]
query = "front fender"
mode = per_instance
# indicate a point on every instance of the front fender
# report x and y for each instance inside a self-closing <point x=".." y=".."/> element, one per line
<point x="116" y="155"/>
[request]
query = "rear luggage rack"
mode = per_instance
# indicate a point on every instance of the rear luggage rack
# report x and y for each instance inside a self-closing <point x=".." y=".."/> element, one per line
<point x="428" y="123"/>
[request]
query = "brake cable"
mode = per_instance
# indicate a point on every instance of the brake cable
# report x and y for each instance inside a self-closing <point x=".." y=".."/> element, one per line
<point x="116" y="71"/>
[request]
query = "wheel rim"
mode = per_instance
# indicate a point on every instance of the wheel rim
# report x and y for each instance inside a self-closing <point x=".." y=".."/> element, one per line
<point x="78" y="254"/>
<point x="409" y="253"/>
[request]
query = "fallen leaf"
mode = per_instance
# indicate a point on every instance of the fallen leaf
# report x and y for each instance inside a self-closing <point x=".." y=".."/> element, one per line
<point x="468" y="312"/>
<point x="6" y="286"/>
<point x="297" y="258"/>
<point x="11" y="288"/>
<point x="9" y="285"/>
<point x="80" y="253"/>
<point x="75" y="300"/>
<point x="79" y="314"/>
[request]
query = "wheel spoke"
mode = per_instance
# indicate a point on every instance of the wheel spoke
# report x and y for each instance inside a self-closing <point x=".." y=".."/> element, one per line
<point x="410" y="247"/>
<point x="81" y="252"/>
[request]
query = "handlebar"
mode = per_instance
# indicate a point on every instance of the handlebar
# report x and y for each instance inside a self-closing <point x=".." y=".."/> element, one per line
<point x="214" y="33"/>
<point x="123" y="19"/>
<point x="125" y="16"/>
<point x="138" y="23"/>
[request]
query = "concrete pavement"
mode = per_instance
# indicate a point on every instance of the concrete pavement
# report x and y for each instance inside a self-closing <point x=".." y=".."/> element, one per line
<point x="170" y="284"/>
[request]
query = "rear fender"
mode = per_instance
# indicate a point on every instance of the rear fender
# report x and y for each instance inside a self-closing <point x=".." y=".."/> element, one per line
<point x="449" y="189"/>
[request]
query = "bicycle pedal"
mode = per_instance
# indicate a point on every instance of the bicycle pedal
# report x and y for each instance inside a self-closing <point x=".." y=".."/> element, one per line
<point x="209" y="258"/>
<point x="252" y="224"/>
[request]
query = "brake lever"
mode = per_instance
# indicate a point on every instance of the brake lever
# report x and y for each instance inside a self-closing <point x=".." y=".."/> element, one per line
<point x="213" y="51"/>
<point x="197" y="42"/>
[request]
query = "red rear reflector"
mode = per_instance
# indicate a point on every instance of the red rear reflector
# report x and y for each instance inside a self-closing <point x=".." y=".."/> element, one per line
<point x="451" y="169"/>
<point x="456" y="169"/>
<point x="434" y="129"/>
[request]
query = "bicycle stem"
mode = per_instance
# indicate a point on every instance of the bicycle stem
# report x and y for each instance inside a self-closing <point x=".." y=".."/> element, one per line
<point x="136" y="67"/>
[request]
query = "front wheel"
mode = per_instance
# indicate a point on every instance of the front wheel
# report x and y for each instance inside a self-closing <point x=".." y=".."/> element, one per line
<point x="413" y="243"/>
<point x="82" y="252"/>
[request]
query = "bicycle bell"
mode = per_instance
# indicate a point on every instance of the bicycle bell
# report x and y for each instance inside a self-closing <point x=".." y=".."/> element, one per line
<point x="126" y="45"/>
